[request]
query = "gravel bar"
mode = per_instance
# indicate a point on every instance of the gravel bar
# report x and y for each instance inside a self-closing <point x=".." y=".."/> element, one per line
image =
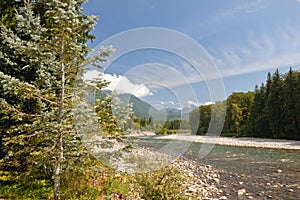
<point x="242" y="142"/>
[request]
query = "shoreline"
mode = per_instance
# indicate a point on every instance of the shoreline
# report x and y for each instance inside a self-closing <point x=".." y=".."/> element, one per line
<point x="240" y="142"/>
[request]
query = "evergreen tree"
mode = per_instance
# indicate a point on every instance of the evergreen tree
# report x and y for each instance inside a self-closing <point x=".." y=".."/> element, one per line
<point x="291" y="113"/>
<point x="113" y="114"/>
<point x="275" y="110"/>
<point x="259" y="122"/>
<point x="40" y="58"/>
<point x="274" y="105"/>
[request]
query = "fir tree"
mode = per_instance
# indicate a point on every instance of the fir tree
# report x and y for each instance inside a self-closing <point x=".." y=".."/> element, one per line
<point x="41" y="57"/>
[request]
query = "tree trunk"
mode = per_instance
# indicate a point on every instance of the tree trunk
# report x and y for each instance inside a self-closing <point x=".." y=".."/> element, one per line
<point x="60" y="146"/>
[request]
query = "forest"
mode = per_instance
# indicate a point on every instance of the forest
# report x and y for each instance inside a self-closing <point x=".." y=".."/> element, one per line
<point x="270" y="111"/>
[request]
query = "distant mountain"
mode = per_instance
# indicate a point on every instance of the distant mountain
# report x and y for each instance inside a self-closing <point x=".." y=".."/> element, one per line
<point x="143" y="109"/>
<point x="140" y="108"/>
<point x="186" y="111"/>
<point x="173" y="113"/>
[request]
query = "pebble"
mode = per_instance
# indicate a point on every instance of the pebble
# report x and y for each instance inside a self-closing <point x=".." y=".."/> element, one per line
<point x="202" y="181"/>
<point x="241" y="192"/>
<point x="217" y="180"/>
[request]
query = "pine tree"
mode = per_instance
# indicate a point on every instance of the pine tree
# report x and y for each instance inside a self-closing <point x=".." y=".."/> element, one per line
<point x="274" y="105"/>
<point x="291" y="116"/>
<point x="42" y="57"/>
<point x="258" y="118"/>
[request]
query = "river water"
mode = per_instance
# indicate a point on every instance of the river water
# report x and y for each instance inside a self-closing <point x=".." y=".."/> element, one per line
<point x="248" y="173"/>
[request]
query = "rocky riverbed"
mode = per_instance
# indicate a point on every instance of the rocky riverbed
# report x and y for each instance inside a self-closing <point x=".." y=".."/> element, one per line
<point x="203" y="181"/>
<point x="236" y="172"/>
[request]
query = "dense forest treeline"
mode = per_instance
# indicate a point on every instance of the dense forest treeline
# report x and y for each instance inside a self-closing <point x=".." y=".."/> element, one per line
<point x="270" y="111"/>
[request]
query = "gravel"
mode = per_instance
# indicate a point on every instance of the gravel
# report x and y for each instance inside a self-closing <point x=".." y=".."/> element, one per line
<point x="244" y="142"/>
<point x="203" y="181"/>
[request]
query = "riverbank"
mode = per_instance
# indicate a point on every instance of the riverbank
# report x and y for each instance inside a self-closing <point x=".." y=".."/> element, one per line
<point x="241" y="172"/>
<point x="242" y="142"/>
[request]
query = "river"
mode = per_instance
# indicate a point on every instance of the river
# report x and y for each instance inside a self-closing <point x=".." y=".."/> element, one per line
<point x="255" y="173"/>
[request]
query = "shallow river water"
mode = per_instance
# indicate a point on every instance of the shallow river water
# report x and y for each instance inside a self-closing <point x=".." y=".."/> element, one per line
<point x="248" y="173"/>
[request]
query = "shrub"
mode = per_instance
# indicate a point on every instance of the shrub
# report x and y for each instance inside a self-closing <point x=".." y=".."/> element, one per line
<point x="161" y="184"/>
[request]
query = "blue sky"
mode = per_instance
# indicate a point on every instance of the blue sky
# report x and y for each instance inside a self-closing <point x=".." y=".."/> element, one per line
<point x="244" y="39"/>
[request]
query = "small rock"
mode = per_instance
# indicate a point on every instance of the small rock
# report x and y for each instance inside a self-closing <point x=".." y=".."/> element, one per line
<point x="223" y="198"/>
<point x="217" y="180"/>
<point x="241" y="192"/>
<point x="192" y="189"/>
<point x="279" y="170"/>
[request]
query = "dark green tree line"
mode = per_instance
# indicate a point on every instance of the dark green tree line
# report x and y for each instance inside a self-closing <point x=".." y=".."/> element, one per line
<point x="271" y="111"/>
<point x="275" y="112"/>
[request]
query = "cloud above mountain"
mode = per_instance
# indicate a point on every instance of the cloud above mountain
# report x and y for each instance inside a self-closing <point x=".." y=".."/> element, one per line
<point x="120" y="84"/>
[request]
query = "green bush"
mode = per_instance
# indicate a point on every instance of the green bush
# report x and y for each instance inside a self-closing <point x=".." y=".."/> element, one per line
<point x="81" y="184"/>
<point x="26" y="190"/>
<point x="118" y="183"/>
<point x="161" y="184"/>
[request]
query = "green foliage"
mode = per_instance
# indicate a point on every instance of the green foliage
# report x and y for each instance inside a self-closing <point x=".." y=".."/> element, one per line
<point x="271" y="111"/>
<point x="174" y="127"/>
<point x="205" y="116"/>
<point x="161" y="184"/>
<point x="40" y="57"/>
<point x="81" y="184"/>
<point x="275" y="112"/>
<point x="239" y="105"/>
<point x="94" y="182"/>
<point x="117" y="183"/>
<point x="207" y="119"/>
<point x="27" y="190"/>
<point x="113" y="115"/>
<point x="291" y="114"/>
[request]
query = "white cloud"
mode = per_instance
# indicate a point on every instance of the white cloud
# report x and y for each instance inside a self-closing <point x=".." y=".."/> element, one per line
<point x="208" y="103"/>
<point x="120" y="84"/>
<point x="90" y="75"/>
<point x="157" y="75"/>
<point x="210" y="24"/>
<point x="192" y="103"/>
<point x="260" y="52"/>
<point x="197" y="104"/>
<point x="168" y="103"/>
